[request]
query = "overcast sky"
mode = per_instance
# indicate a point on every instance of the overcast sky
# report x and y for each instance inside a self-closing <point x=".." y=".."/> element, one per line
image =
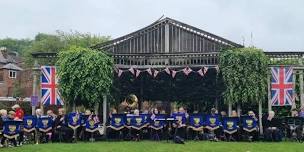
<point x="276" y="25"/>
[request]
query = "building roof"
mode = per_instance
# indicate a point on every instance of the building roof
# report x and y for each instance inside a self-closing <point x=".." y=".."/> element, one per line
<point x="161" y="22"/>
<point x="11" y="66"/>
<point x="7" y="56"/>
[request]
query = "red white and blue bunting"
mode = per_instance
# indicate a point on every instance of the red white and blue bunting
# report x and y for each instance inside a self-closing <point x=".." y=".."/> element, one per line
<point x="154" y="72"/>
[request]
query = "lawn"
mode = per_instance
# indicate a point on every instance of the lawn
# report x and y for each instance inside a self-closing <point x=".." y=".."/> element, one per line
<point x="150" y="146"/>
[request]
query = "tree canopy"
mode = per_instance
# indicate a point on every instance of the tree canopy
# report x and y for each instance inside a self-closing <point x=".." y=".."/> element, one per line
<point x="85" y="75"/>
<point x="244" y="72"/>
<point x="50" y="43"/>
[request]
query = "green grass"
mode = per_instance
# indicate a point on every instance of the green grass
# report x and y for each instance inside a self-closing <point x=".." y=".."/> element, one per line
<point x="150" y="146"/>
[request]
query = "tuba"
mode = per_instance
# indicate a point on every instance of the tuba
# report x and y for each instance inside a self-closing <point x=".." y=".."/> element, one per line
<point x="132" y="101"/>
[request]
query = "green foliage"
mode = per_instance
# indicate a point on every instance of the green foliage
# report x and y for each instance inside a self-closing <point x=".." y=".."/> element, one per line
<point x="17" y="45"/>
<point x="75" y="38"/>
<point x="43" y="43"/>
<point x="245" y="74"/>
<point x="85" y="75"/>
<point x="59" y="42"/>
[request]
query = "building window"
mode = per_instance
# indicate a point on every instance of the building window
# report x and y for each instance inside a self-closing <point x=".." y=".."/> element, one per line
<point x="12" y="74"/>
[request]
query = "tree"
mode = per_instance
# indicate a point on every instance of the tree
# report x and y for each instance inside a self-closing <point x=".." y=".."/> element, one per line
<point x="85" y="75"/>
<point x="17" y="45"/>
<point x="244" y="72"/>
<point x="59" y="42"/>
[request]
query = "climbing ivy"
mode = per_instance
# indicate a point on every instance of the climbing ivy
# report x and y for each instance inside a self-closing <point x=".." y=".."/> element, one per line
<point x="244" y="72"/>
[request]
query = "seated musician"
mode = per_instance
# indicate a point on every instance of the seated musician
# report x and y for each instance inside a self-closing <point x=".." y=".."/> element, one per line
<point x="10" y="117"/>
<point x="137" y="125"/>
<point x="93" y="126"/>
<point x="156" y="125"/>
<point x="51" y="114"/>
<point x="272" y="127"/>
<point x="213" y="126"/>
<point x="230" y="126"/>
<point x="84" y="117"/>
<point x="38" y="113"/>
<point x="61" y="129"/>
<point x="116" y="125"/>
<point x="180" y="125"/>
<point x="250" y="127"/>
<point x="196" y="125"/>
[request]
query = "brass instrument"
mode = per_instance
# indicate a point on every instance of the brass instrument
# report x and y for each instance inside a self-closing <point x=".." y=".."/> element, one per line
<point x="132" y="101"/>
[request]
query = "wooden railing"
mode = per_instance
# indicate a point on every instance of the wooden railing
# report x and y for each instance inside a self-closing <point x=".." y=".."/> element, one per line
<point x="165" y="60"/>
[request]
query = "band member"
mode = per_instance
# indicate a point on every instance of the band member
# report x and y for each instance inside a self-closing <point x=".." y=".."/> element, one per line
<point x="83" y="134"/>
<point x="129" y="104"/>
<point x="156" y="126"/>
<point x="230" y="126"/>
<point x="213" y="126"/>
<point x="114" y="132"/>
<point x="272" y="127"/>
<point x="135" y="133"/>
<point x="180" y="125"/>
<point x="10" y="117"/>
<point x="61" y="130"/>
<point x="38" y="113"/>
<point x="51" y="114"/>
<point x="253" y="135"/>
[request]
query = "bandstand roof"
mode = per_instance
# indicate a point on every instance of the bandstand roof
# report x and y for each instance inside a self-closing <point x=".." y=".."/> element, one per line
<point x="167" y="36"/>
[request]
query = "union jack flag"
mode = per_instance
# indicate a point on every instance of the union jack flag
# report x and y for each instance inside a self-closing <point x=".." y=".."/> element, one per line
<point x="282" y="86"/>
<point x="49" y="91"/>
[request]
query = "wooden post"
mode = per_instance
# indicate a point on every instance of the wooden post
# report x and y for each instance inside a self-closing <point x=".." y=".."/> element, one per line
<point x="260" y="117"/>
<point x="294" y="106"/>
<point x="238" y="108"/>
<point x="167" y="47"/>
<point x="269" y="92"/>
<point x="229" y="108"/>
<point x="96" y="108"/>
<point x="35" y="78"/>
<point x="301" y="83"/>
<point x="104" y="115"/>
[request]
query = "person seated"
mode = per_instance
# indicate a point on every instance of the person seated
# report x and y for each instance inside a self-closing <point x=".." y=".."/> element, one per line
<point x="137" y="124"/>
<point x="61" y="130"/>
<point x="10" y="117"/>
<point x="213" y="126"/>
<point x="83" y="135"/>
<point x="231" y="127"/>
<point x="93" y="126"/>
<point x="50" y="113"/>
<point x="29" y="128"/>
<point x="156" y="125"/>
<point x="196" y="126"/>
<point x="250" y="127"/>
<point x="272" y="127"/>
<point x="116" y="125"/>
<point x="180" y="125"/>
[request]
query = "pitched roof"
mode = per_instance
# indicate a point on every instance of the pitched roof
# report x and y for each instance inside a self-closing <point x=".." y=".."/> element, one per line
<point x="11" y="66"/>
<point x="2" y="58"/>
<point x="189" y="28"/>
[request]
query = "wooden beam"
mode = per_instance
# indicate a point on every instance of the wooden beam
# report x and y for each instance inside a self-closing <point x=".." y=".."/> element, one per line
<point x="269" y="92"/>
<point x="167" y="38"/>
